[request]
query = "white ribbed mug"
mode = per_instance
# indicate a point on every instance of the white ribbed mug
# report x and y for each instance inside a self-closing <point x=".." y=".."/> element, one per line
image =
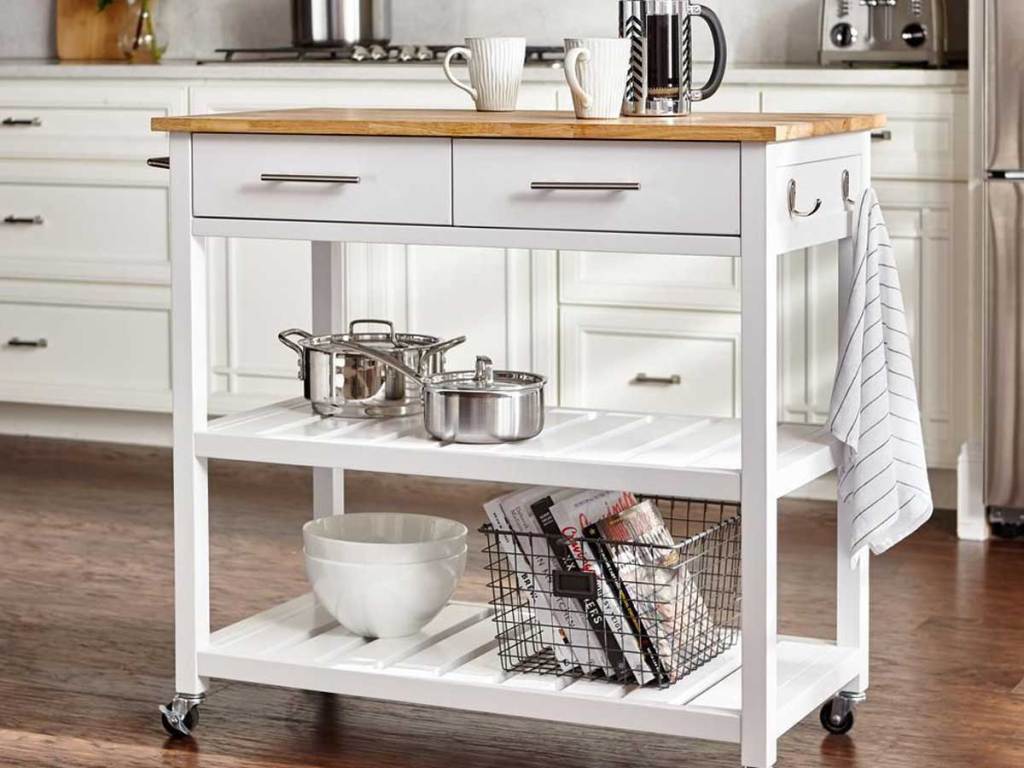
<point x="495" y="71"/>
<point x="597" y="68"/>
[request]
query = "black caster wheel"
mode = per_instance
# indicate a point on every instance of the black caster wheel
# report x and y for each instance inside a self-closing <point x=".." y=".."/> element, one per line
<point x="829" y="724"/>
<point x="179" y="726"/>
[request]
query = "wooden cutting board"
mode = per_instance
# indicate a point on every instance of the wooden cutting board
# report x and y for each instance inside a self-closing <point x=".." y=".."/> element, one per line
<point x="87" y="34"/>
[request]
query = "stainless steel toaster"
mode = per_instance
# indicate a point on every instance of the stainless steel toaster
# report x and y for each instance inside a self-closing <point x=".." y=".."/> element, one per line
<point x="910" y="32"/>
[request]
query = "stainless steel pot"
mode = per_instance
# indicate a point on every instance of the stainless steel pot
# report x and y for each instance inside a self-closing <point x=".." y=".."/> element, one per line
<point x="340" y="381"/>
<point x="479" y="406"/>
<point x="341" y="22"/>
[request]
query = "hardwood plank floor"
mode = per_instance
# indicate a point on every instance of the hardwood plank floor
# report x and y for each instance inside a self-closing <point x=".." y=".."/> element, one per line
<point x="86" y="634"/>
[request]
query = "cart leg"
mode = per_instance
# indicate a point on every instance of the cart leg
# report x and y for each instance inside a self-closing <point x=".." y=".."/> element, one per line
<point x="758" y="489"/>
<point x="191" y="516"/>
<point x="328" y="314"/>
<point x="851" y="583"/>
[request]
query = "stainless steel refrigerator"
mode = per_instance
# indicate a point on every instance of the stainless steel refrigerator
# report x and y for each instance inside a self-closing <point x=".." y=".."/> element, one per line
<point x="1004" y="201"/>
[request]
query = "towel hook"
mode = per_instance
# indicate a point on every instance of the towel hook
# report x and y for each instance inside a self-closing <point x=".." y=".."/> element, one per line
<point x="846" y="189"/>
<point x="792" y="202"/>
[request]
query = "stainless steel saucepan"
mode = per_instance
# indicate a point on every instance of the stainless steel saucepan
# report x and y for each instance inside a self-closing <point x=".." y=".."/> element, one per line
<point x="341" y="22"/>
<point x="478" y="406"/>
<point x="340" y="381"/>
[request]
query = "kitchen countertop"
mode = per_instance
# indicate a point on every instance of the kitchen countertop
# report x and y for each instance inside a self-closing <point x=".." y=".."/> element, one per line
<point x="189" y="70"/>
<point x="531" y="125"/>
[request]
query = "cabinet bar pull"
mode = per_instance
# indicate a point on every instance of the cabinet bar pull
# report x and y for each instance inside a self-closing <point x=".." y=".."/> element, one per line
<point x="159" y="162"/>
<point x="885" y="135"/>
<point x="307" y="178"/>
<point x="643" y="378"/>
<point x="13" y="121"/>
<point x="23" y="220"/>
<point x="33" y="343"/>
<point x="792" y="202"/>
<point x="588" y="186"/>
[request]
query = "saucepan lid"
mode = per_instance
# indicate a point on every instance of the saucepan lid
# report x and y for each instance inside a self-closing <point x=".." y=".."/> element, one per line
<point x="484" y="379"/>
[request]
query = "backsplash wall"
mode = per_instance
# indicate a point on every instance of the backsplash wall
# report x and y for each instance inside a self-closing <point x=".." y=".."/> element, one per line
<point x="775" y="32"/>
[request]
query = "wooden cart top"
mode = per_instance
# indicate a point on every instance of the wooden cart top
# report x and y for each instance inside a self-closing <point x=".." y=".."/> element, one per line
<point x="453" y="123"/>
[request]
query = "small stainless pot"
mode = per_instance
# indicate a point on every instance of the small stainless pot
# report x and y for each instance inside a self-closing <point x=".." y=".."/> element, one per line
<point x="478" y="406"/>
<point x="340" y="381"/>
<point x="341" y="22"/>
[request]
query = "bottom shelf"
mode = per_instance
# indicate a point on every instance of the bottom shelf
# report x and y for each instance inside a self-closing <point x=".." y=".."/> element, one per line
<point x="454" y="663"/>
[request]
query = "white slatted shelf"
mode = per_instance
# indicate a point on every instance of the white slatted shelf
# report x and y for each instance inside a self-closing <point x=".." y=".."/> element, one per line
<point x="454" y="663"/>
<point x="681" y="455"/>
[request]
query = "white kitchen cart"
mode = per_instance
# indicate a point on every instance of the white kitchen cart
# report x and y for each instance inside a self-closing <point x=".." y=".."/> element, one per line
<point x="753" y="186"/>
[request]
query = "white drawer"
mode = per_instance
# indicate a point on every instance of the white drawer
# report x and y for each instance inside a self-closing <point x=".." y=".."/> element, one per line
<point x="649" y="361"/>
<point x="85" y="355"/>
<point x="80" y="223"/>
<point x="690" y="188"/>
<point x="820" y="210"/>
<point x="389" y="180"/>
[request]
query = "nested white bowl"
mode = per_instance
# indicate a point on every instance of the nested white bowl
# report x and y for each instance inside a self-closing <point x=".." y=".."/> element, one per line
<point x="383" y="537"/>
<point x="385" y="600"/>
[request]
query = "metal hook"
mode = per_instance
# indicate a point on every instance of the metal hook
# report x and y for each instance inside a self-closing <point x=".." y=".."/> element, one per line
<point x="846" y="189"/>
<point x="792" y="202"/>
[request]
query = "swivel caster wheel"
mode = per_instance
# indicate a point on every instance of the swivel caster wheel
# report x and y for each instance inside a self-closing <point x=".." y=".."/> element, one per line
<point x="181" y="716"/>
<point x="837" y="713"/>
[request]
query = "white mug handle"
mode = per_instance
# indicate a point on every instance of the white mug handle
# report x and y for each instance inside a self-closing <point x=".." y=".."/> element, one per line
<point x="573" y="59"/>
<point x="447" y="66"/>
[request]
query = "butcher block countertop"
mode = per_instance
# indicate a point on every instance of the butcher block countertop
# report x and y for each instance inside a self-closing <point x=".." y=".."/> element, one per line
<point x="756" y="127"/>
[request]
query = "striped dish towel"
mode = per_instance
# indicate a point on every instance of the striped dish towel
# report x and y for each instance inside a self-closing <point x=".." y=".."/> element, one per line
<point x="874" y="417"/>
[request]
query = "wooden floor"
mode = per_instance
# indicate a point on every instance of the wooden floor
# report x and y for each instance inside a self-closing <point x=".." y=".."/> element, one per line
<point x="86" y="634"/>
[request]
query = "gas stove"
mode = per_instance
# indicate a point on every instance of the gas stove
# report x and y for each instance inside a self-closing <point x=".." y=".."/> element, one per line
<point x="377" y="54"/>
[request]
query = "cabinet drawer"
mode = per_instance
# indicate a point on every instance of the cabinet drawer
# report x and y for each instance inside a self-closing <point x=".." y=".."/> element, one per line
<point x="681" y="188"/>
<point x="647" y="361"/>
<point x="820" y="209"/>
<point x="80" y="223"/>
<point x="374" y="180"/>
<point x="80" y="355"/>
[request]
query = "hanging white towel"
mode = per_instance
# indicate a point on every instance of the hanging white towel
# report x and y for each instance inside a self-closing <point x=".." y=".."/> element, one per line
<point x="874" y="417"/>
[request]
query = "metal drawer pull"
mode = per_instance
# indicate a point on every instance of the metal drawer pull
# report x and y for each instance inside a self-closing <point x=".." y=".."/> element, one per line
<point x="643" y="378"/>
<point x="306" y="178"/>
<point x="846" y="189"/>
<point x="885" y="135"/>
<point x="159" y="162"/>
<point x="33" y="343"/>
<point x="13" y="121"/>
<point x="792" y="202"/>
<point x="23" y="220"/>
<point x="588" y="186"/>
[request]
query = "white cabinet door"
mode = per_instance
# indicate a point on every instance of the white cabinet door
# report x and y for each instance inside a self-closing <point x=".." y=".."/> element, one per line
<point x="921" y="218"/>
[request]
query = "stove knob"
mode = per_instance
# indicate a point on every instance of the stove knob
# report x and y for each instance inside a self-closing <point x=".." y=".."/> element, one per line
<point x="359" y="53"/>
<point x="843" y="35"/>
<point x="378" y="53"/>
<point x="914" y="35"/>
<point x="423" y="53"/>
<point x="406" y="53"/>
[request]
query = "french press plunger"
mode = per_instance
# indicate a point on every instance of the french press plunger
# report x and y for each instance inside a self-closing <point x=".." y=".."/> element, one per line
<point x="661" y="59"/>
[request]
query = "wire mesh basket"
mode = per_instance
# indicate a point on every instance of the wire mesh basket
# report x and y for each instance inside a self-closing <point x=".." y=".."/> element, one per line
<point x="613" y="601"/>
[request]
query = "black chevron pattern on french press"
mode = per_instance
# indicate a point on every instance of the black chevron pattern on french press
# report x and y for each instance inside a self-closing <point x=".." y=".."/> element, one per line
<point x="634" y="30"/>
<point x="686" y="59"/>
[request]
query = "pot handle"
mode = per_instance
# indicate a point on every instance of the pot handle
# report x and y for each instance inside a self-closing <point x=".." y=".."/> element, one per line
<point x="284" y="337"/>
<point x="381" y="357"/>
<point x="369" y="321"/>
<point x="440" y="347"/>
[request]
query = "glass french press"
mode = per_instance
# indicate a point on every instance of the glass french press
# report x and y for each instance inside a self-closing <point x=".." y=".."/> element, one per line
<point x="661" y="61"/>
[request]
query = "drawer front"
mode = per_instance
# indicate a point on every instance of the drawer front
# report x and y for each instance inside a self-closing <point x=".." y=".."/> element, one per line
<point x="377" y="180"/>
<point x="79" y="223"/>
<point x="820" y="209"/>
<point x="682" y="188"/>
<point x="69" y="354"/>
<point x="654" y="362"/>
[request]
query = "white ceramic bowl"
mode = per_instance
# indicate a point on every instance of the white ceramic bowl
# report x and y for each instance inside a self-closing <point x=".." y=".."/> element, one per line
<point x="385" y="600"/>
<point x="383" y="538"/>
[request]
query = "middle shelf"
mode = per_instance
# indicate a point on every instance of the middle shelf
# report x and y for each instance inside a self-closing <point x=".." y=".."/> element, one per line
<point x="605" y="450"/>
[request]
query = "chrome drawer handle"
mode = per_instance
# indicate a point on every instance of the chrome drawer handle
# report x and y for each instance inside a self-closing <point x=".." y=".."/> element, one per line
<point x="885" y="135"/>
<point x="643" y="378"/>
<point x="307" y="178"/>
<point x="31" y="343"/>
<point x="792" y="202"/>
<point x="23" y="220"/>
<point x="159" y="162"/>
<point x="588" y="186"/>
<point x="25" y="121"/>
